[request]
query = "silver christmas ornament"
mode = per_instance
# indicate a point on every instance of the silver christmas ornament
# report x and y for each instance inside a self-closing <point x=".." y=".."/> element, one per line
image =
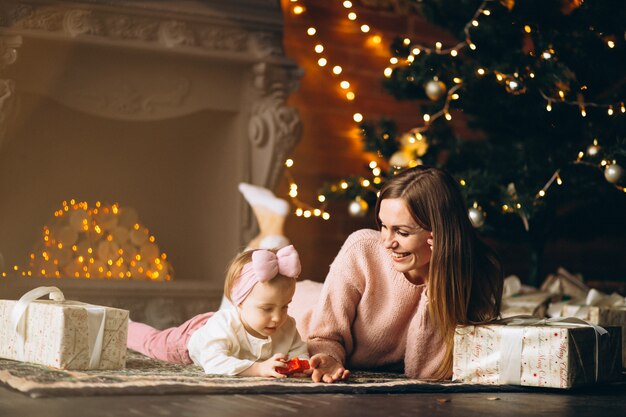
<point x="435" y="89"/>
<point x="358" y="207"/>
<point x="613" y="173"/>
<point x="476" y="216"/>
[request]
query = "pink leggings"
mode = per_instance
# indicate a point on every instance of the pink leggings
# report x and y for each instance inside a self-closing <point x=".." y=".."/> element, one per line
<point x="168" y="345"/>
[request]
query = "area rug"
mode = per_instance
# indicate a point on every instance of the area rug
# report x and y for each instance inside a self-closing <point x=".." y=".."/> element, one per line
<point x="144" y="376"/>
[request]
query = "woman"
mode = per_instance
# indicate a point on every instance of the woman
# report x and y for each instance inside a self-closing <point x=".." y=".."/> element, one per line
<point x="393" y="297"/>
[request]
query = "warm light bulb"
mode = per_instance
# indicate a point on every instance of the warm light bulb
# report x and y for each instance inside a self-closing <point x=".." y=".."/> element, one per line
<point x="322" y="62"/>
<point x="298" y="10"/>
<point x="373" y="164"/>
<point x="350" y="95"/>
<point x="427" y="117"/>
<point x="410" y="58"/>
<point x="311" y="31"/>
<point x="453" y="52"/>
<point x="319" y="48"/>
<point x="448" y="116"/>
<point x="343" y="185"/>
<point x="344" y="84"/>
<point x="611" y="44"/>
<point x="406" y="41"/>
<point x="357" y="117"/>
<point x="475" y="23"/>
<point x="289" y="163"/>
<point x="376" y="171"/>
<point x="347" y="4"/>
<point x="527" y="29"/>
<point x="542" y="193"/>
<point x="325" y="216"/>
<point x="393" y="60"/>
<point x="337" y="70"/>
<point x="388" y="71"/>
<point x="365" y="28"/>
<point x="610" y="111"/>
<point x="472" y="46"/>
<point x="377" y="39"/>
<point x="321" y="198"/>
<point x="416" y="51"/>
<point x="352" y="16"/>
<point x="480" y="71"/>
<point x="486" y="12"/>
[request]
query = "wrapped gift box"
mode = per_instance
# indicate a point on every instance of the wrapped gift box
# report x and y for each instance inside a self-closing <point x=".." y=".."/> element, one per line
<point x="602" y="316"/>
<point x="64" y="334"/>
<point x="553" y="355"/>
<point x="532" y="304"/>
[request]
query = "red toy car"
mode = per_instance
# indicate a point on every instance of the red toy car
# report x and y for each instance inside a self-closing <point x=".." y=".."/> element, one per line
<point x="294" y="365"/>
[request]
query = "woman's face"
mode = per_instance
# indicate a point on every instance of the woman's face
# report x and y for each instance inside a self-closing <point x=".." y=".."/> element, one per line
<point x="405" y="240"/>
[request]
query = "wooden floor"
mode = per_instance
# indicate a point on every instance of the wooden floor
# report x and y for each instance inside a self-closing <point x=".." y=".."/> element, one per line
<point x="605" y="402"/>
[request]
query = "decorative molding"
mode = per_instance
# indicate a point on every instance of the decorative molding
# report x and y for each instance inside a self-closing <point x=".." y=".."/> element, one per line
<point x="129" y="100"/>
<point x="274" y="128"/>
<point x="120" y="26"/>
<point x="8" y="49"/>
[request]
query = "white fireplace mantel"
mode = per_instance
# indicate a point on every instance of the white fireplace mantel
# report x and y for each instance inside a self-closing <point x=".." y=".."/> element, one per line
<point x="164" y="106"/>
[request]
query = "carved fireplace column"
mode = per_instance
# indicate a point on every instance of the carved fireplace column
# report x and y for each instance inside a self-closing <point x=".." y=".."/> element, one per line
<point x="8" y="56"/>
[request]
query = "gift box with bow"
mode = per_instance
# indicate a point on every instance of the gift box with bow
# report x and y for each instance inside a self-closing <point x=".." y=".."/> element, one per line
<point x="603" y="310"/>
<point x="557" y="353"/>
<point x="62" y="334"/>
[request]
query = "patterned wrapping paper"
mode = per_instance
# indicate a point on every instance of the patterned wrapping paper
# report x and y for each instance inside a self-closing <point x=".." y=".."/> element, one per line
<point x="560" y="356"/>
<point x="57" y="335"/>
<point x="601" y="316"/>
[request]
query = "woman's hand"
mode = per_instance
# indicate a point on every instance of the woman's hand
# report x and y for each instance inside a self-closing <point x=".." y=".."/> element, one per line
<point x="327" y="369"/>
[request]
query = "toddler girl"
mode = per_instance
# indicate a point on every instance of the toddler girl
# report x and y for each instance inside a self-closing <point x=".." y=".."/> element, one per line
<point x="252" y="339"/>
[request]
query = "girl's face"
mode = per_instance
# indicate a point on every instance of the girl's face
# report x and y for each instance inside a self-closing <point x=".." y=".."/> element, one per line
<point x="264" y="310"/>
<point x="404" y="239"/>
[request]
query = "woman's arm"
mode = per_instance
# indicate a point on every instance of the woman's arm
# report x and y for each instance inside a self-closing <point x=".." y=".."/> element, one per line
<point x="330" y="331"/>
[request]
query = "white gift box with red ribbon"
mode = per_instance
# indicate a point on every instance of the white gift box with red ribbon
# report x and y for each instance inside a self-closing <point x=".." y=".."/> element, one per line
<point x="556" y="353"/>
<point x="62" y="334"/>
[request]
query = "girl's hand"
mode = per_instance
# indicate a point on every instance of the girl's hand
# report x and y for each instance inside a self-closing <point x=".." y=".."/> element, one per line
<point x="327" y="369"/>
<point x="268" y="368"/>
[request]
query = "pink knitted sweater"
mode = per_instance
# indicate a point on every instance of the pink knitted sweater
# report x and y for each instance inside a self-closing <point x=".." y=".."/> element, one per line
<point x="369" y="315"/>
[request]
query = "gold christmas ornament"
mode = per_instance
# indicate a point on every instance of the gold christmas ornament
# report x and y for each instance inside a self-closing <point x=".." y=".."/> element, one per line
<point x="401" y="159"/>
<point x="358" y="207"/>
<point x="435" y="89"/>
<point x="415" y="143"/>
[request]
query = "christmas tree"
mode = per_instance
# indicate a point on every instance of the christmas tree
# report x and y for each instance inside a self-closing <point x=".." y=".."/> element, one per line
<point x="525" y="108"/>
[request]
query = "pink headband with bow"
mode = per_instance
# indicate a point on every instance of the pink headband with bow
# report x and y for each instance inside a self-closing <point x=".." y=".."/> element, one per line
<point x="265" y="265"/>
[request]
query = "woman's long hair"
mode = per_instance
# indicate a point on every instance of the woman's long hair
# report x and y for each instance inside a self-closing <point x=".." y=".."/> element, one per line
<point x="465" y="276"/>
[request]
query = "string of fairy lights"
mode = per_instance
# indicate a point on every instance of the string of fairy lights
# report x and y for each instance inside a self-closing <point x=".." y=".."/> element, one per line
<point x="95" y="242"/>
<point x="298" y="8"/>
<point x="435" y="90"/>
